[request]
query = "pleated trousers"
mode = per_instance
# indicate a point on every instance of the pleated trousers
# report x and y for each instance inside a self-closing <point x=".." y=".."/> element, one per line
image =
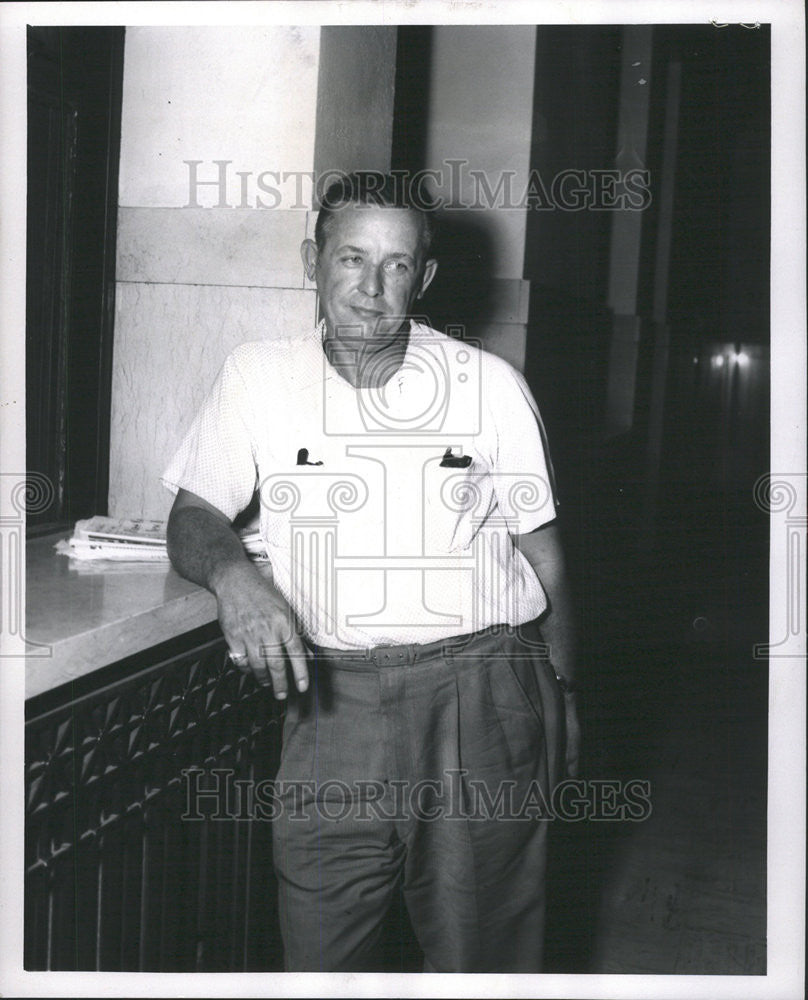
<point x="429" y="767"/>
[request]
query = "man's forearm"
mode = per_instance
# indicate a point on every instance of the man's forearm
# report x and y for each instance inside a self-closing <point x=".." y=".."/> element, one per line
<point x="204" y="548"/>
<point x="256" y="620"/>
<point x="543" y="550"/>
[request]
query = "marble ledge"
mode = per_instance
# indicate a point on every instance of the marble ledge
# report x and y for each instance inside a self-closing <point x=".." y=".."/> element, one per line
<point x="84" y="616"/>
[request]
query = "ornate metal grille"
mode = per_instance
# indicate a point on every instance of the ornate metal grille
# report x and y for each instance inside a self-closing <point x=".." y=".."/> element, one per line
<point x="116" y="878"/>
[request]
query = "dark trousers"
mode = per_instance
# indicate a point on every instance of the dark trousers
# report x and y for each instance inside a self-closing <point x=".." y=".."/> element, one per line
<point x="433" y="765"/>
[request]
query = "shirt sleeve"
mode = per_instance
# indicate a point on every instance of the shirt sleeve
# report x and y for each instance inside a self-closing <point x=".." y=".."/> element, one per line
<point x="524" y="481"/>
<point x="216" y="459"/>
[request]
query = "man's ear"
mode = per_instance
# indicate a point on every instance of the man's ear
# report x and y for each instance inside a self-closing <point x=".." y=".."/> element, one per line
<point x="429" y="273"/>
<point x="308" y="254"/>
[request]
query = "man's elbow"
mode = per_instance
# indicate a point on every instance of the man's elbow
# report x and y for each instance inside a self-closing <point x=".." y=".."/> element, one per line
<point x="189" y="524"/>
<point x="185" y="500"/>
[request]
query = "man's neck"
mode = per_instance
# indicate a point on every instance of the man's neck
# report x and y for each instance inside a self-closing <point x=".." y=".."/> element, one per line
<point x="367" y="364"/>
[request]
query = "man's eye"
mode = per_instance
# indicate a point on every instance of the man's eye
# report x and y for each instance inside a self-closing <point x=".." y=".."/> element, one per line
<point x="352" y="259"/>
<point x="395" y="266"/>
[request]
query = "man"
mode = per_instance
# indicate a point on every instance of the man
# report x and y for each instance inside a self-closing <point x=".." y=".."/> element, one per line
<point x="408" y="515"/>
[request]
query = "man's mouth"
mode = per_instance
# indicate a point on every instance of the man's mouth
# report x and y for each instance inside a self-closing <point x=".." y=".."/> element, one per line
<point x="367" y="313"/>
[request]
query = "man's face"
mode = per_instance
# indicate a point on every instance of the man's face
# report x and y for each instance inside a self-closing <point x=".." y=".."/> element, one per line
<point x="369" y="272"/>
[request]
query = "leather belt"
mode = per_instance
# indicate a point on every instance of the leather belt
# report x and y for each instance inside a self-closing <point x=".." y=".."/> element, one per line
<point x="403" y="655"/>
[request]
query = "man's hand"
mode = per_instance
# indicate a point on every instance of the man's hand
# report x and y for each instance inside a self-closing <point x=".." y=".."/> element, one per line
<point x="256" y="620"/>
<point x="260" y="629"/>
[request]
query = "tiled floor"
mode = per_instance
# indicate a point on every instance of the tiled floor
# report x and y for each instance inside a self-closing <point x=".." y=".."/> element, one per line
<point x="685" y="892"/>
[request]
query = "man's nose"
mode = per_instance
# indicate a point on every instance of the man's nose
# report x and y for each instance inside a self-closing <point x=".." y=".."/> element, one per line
<point x="371" y="283"/>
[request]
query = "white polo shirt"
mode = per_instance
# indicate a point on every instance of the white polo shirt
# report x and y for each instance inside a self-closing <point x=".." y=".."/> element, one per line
<point x="387" y="513"/>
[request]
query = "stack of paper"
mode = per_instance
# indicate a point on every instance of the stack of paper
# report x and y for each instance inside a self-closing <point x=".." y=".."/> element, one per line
<point x="110" y="538"/>
<point x="133" y="540"/>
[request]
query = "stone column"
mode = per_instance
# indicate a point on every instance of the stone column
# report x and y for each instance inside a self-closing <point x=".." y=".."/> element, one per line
<point x="478" y="141"/>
